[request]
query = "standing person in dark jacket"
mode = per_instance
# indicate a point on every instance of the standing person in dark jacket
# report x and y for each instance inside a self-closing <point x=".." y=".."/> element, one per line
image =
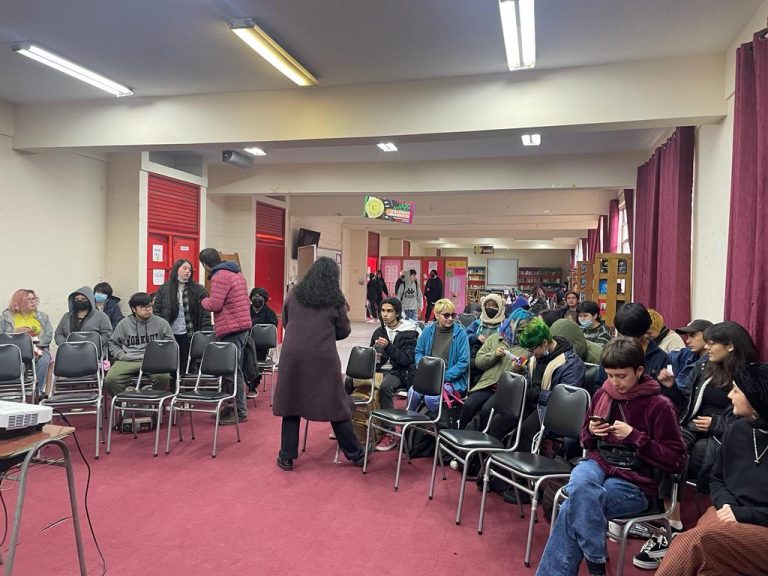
<point x="399" y="282"/>
<point x="433" y="291"/>
<point x="107" y="302"/>
<point x="261" y="313"/>
<point x="732" y="536"/>
<point x="373" y="295"/>
<point x="178" y="302"/>
<point x="382" y="284"/>
<point x="232" y="318"/>
<point x="309" y="382"/>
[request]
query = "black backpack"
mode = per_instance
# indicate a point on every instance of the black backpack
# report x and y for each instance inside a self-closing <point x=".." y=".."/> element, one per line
<point x="250" y="361"/>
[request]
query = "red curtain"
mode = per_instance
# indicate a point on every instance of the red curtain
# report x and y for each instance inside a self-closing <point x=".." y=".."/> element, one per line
<point x="629" y="206"/>
<point x="663" y="229"/>
<point x="593" y="243"/>
<point x="602" y="226"/>
<point x="746" y="300"/>
<point x="584" y="249"/>
<point x="613" y="227"/>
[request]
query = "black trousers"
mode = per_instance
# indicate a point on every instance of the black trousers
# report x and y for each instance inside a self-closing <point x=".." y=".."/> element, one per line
<point x="183" y="341"/>
<point x="428" y="313"/>
<point x="473" y="404"/>
<point x="345" y="436"/>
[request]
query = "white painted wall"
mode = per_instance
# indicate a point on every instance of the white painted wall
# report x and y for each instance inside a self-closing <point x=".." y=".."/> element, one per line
<point x="231" y="227"/>
<point x="526" y="258"/>
<point x="52" y="223"/>
<point x="328" y="226"/>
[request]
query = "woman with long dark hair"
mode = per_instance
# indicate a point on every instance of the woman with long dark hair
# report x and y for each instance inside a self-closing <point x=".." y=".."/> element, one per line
<point x="178" y="301"/>
<point x="309" y="383"/>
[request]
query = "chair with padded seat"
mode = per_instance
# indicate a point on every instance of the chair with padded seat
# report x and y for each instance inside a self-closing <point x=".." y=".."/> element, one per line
<point x="12" y="372"/>
<point x="566" y="410"/>
<point x="27" y="347"/>
<point x="463" y="445"/>
<point x="160" y="357"/>
<point x="265" y="338"/>
<point x="197" y="346"/>
<point x="219" y="360"/>
<point x="591" y="376"/>
<point x="77" y="385"/>
<point x="466" y="319"/>
<point x="428" y="381"/>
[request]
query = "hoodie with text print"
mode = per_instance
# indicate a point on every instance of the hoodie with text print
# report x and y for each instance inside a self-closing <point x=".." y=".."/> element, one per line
<point x="131" y="336"/>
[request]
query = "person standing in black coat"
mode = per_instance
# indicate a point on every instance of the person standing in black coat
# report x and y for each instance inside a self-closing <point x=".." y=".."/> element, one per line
<point x="178" y="302"/>
<point x="373" y="295"/>
<point x="433" y="291"/>
<point x="261" y="313"/>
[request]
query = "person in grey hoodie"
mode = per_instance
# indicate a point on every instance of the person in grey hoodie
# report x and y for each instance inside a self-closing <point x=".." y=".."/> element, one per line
<point x="410" y="296"/>
<point x="130" y="339"/>
<point x="83" y="316"/>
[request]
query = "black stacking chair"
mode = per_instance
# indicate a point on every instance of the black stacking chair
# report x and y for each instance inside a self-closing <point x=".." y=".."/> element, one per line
<point x="265" y="338"/>
<point x="12" y="384"/>
<point x="429" y="382"/>
<point x="160" y="357"/>
<point x="27" y="348"/>
<point x="219" y="360"/>
<point x="77" y="383"/>
<point x="466" y="319"/>
<point x="464" y="444"/>
<point x="196" y="348"/>
<point x="591" y="383"/>
<point x="566" y="410"/>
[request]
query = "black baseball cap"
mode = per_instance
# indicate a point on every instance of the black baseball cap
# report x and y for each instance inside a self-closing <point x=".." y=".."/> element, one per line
<point x="697" y="325"/>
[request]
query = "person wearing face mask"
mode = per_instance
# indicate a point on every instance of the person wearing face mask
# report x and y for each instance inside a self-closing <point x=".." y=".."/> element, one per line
<point x="433" y="291"/>
<point x="491" y="317"/>
<point x="178" y="302"/>
<point x="107" y="302"/>
<point x="83" y="317"/>
<point x="594" y="328"/>
<point x="261" y="313"/>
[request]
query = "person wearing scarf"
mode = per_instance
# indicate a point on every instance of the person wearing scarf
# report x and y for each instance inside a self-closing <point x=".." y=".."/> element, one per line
<point x="629" y="409"/>
<point x="491" y="317"/>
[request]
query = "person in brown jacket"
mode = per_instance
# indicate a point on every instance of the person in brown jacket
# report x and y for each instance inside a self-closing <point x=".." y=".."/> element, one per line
<point x="309" y="383"/>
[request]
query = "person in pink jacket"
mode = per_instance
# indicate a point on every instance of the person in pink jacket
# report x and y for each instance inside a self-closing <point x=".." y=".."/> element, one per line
<point x="230" y="305"/>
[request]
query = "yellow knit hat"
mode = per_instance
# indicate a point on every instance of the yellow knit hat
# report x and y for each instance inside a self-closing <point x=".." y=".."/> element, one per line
<point x="657" y="320"/>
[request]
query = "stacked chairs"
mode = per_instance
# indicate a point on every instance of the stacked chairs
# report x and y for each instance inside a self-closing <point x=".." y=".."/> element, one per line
<point x="27" y="348"/>
<point x="12" y="381"/>
<point x="265" y="338"/>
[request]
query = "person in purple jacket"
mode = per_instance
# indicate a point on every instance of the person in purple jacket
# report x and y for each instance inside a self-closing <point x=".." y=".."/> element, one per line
<point x="630" y="410"/>
<point x="231" y="309"/>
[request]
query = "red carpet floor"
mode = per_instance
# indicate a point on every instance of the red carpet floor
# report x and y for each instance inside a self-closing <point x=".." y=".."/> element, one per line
<point x="186" y="513"/>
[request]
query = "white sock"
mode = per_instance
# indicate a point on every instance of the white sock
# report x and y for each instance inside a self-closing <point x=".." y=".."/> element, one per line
<point x="676" y="525"/>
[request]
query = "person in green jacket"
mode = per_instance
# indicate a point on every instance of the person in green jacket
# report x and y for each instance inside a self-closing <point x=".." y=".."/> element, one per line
<point x="587" y="351"/>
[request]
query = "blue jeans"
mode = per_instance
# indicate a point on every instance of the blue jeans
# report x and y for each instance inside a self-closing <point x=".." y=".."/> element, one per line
<point x="594" y="498"/>
<point x="238" y="339"/>
<point x="41" y="369"/>
<point x="411" y="314"/>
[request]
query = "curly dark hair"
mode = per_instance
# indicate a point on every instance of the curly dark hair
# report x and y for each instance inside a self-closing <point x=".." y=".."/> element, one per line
<point x="320" y="286"/>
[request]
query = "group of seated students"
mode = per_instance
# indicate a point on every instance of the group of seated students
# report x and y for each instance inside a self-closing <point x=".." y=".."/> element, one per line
<point x="690" y="401"/>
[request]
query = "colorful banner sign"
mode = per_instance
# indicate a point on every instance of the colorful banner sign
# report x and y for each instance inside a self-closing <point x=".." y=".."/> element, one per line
<point x="388" y="209"/>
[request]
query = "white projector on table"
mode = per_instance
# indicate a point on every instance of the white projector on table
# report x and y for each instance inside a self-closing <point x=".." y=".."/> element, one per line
<point x="17" y="416"/>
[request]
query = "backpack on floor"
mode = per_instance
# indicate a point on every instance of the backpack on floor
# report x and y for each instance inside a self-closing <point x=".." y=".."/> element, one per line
<point x="360" y="392"/>
<point x="421" y="444"/>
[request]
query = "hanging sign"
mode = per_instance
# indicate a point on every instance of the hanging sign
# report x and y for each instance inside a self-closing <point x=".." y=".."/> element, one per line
<point x="388" y="209"/>
<point x="483" y="249"/>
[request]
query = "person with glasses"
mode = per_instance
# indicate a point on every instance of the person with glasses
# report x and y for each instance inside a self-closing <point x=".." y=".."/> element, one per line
<point x="444" y="339"/>
<point x="130" y="339"/>
<point x="22" y="315"/>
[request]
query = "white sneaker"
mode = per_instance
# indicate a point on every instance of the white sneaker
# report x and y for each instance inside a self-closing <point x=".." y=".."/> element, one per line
<point x="454" y="464"/>
<point x="332" y="436"/>
<point x="652" y="553"/>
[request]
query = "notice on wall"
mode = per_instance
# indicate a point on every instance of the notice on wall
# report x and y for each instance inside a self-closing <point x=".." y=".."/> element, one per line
<point x="183" y="248"/>
<point x="157" y="252"/>
<point x="158" y="277"/>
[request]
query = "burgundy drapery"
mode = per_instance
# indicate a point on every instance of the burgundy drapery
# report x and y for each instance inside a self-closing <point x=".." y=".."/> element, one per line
<point x="663" y="229"/>
<point x="603" y="228"/>
<point x="746" y="300"/>
<point x="593" y="243"/>
<point x="584" y="249"/>
<point x="629" y="207"/>
<point x="613" y="227"/>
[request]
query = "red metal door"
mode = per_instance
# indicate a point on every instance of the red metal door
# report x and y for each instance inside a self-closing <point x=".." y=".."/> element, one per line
<point x="184" y="248"/>
<point x="270" y="255"/>
<point x="158" y="260"/>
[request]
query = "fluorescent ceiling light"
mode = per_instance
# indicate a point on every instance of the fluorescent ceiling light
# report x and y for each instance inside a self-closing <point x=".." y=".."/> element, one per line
<point x="255" y="151"/>
<point x="70" y="68"/>
<point x="519" y="28"/>
<point x="247" y="30"/>
<point x="387" y="146"/>
<point x="531" y="139"/>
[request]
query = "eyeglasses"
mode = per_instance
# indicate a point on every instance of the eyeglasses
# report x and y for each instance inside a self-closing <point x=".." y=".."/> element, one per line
<point x="447" y="315"/>
<point x="145" y="307"/>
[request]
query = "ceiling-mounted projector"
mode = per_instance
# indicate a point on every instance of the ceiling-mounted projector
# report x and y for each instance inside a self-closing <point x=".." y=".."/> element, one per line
<point x="235" y="158"/>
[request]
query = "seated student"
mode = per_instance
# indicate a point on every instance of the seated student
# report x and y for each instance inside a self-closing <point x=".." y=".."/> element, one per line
<point x="107" y="303"/>
<point x="594" y="328"/>
<point x="732" y="536"/>
<point x="22" y="315"/>
<point x="445" y="338"/>
<point x="397" y="342"/>
<point x="130" y="339"/>
<point x="627" y="410"/>
<point x="517" y="302"/>
<point x="570" y="310"/>
<point x="729" y="348"/>
<point x="587" y="351"/>
<point x="538" y="300"/>
<point x="693" y="356"/>
<point x="491" y="317"/>
<point x="83" y="317"/>
<point x="499" y="353"/>
<point x="261" y="313"/>
<point x="668" y="340"/>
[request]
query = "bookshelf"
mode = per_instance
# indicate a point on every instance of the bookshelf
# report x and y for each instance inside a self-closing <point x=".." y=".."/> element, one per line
<point x="573" y="280"/>
<point x="549" y="278"/>
<point x="475" y="283"/>
<point x="584" y="280"/>
<point x="613" y="283"/>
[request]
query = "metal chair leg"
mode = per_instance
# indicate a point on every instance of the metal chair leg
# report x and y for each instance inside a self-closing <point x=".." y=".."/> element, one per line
<point x="237" y="423"/>
<point x="216" y="432"/>
<point x="434" y="470"/>
<point x="531" y="522"/>
<point x="462" y="487"/>
<point x="306" y="433"/>
<point x="367" y="443"/>
<point x="484" y="496"/>
<point x="111" y="424"/>
<point x="168" y="436"/>
<point x="404" y="430"/>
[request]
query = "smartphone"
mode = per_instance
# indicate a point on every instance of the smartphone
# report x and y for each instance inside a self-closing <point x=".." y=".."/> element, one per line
<point x="598" y="419"/>
<point x="669" y="369"/>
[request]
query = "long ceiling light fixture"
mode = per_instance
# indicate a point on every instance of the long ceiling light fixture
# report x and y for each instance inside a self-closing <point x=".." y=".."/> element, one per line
<point x="247" y="30"/>
<point x="519" y="28"/>
<point x="63" y="65"/>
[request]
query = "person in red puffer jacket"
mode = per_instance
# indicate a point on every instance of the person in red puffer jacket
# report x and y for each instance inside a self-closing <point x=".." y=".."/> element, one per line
<point x="230" y="305"/>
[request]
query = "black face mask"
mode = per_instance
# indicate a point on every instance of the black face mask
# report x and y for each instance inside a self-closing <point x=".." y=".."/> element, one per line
<point x="257" y="301"/>
<point x="80" y="305"/>
<point x="491" y="312"/>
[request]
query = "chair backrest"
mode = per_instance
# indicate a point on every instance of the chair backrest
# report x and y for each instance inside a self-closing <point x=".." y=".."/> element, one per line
<point x="591" y="384"/>
<point x="429" y="376"/>
<point x="264" y="336"/>
<point x="566" y="410"/>
<point x="466" y="319"/>
<point x="161" y="357"/>
<point x="76" y="360"/>
<point x="94" y="337"/>
<point x="197" y="346"/>
<point x="24" y="343"/>
<point x="362" y="363"/>
<point x="510" y="394"/>
<point x="219" y="359"/>
<point x="11" y="363"/>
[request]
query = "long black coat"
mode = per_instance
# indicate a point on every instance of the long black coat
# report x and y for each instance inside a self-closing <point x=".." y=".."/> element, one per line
<point x="309" y="381"/>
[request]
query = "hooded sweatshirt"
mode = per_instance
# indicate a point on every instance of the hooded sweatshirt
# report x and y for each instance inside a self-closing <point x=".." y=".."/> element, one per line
<point x="95" y="320"/>
<point x="587" y="351"/>
<point x="130" y="338"/>
<point x="410" y="295"/>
